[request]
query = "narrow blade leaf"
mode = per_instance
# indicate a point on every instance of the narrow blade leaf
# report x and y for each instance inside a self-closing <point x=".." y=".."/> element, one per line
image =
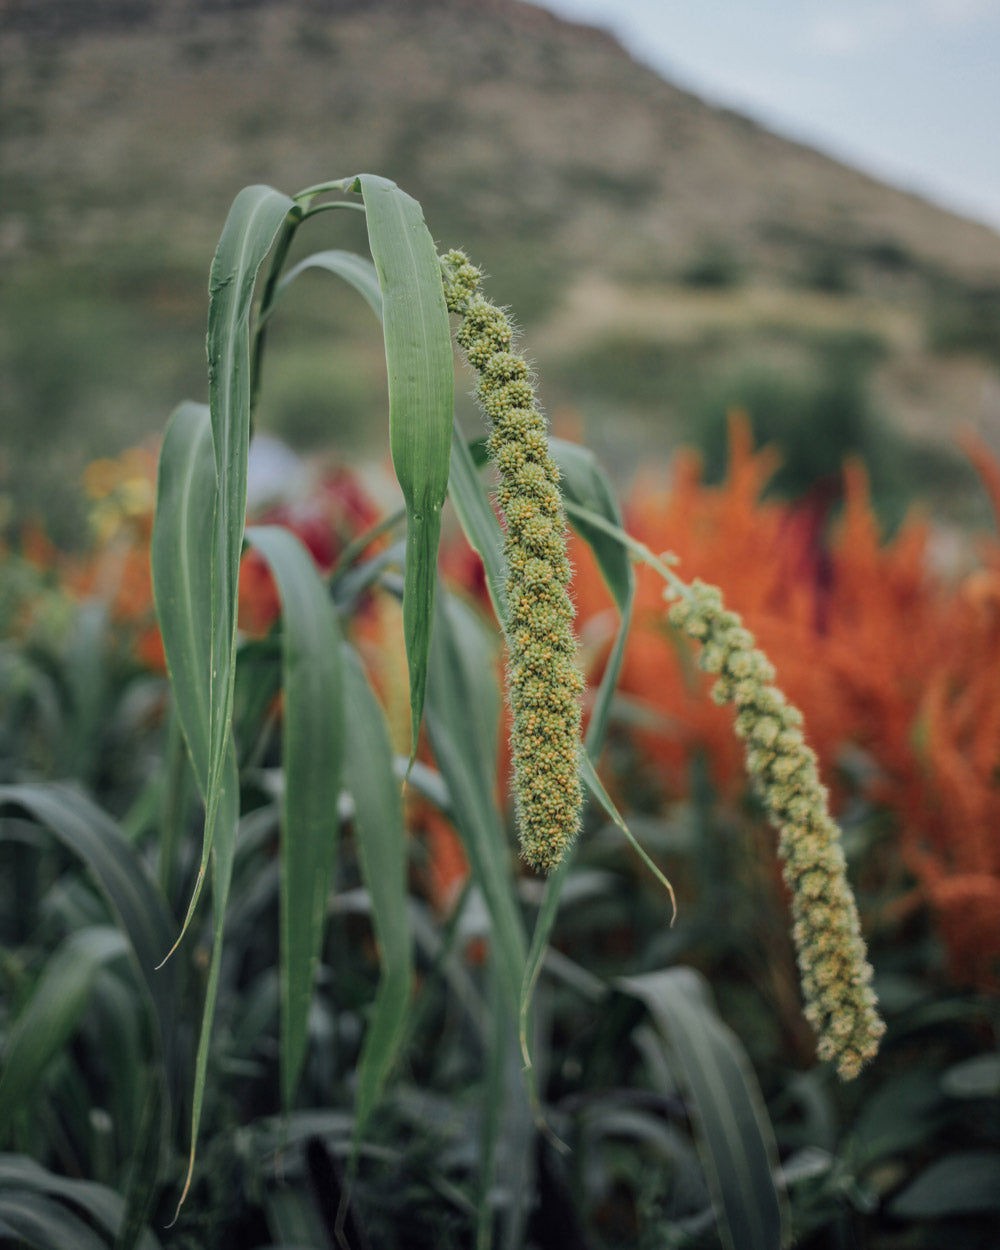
<point x="584" y="483"/>
<point x="254" y="220"/>
<point x="733" y="1131"/>
<point x="421" y="375"/>
<point x="181" y="554"/>
<point x="312" y="750"/>
<point x="182" y="570"/>
<point x="51" y="1015"/>
<point x="357" y="271"/>
<point x="223" y="852"/>
<point x="381" y="839"/>
<point x="463" y="712"/>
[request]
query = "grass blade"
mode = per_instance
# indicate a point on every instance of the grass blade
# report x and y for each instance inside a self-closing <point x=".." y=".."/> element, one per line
<point x="186" y="498"/>
<point x="583" y="482"/>
<point x="421" y="376"/>
<point x="223" y="851"/>
<point x="463" y="712"/>
<point x="381" y="840"/>
<point x="357" y="271"/>
<point x="38" y="1221"/>
<point x="102" y="1204"/>
<point x="312" y="750"/>
<point x="144" y="918"/>
<point x="51" y="1015"/>
<point x="254" y="220"/>
<point x="182" y="570"/>
<point x="122" y="876"/>
<point x="733" y="1131"/>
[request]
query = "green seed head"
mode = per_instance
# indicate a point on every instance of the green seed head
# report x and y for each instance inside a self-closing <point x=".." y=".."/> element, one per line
<point x="543" y="681"/>
<point x="833" y="962"/>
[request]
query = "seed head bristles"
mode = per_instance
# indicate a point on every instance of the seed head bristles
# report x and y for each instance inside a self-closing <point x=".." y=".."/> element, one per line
<point x="833" y="962"/>
<point x="543" y="681"/>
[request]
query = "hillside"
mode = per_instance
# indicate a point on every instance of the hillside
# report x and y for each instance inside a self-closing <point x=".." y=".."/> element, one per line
<point x="580" y="179"/>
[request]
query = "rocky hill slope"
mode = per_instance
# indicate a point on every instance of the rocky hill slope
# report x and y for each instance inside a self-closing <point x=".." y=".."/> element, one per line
<point x="583" y="181"/>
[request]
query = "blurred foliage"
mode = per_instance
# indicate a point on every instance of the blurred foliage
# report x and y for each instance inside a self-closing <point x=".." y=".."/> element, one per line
<point x="895" y="670"/>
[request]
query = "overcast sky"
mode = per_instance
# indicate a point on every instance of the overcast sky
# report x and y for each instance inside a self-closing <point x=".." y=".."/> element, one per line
<point x="908" y="90"/>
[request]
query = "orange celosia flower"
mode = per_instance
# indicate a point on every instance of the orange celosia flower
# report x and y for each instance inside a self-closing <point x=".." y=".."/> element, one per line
<point x="878" y="653"/>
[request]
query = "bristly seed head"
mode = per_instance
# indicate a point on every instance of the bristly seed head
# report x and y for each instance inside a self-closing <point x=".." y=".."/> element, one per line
<point x="543" y="681"/>
<point x="833" y="963"/>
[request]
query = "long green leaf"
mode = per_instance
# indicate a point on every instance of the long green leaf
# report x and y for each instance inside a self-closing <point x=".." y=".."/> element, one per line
<point x="254" y="220"/>
<point x="312" y="750"/>
<point x="733" y="1131"/>
<point x="182" y="573"/>
<point x="223" y="852"/>
<point x="463" y="712"/>
<point x="36" y="1220"/>
<point x="101" y="1203"/>
<point x="958" y="1184"/>
<point x="51" y="1015"/>
<point x="381" y="840"/>
<point x="421" y="375"/>
<point x="183" y="590"/>
<point x="357" y="271"/>
<point x="584" y="483"/>
<point x="142" y="913"/>
<point x="123" y="878"/>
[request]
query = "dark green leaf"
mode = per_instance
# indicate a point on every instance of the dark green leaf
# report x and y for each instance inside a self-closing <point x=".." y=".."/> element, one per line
<point x="959" y="1184"/>
<point x="44" y="1224"/>
<point x="978" y="1077"/>
<point x="103" y="1204"/>
<point x="52" y="1013"/>
<point x="733" y="1130"/>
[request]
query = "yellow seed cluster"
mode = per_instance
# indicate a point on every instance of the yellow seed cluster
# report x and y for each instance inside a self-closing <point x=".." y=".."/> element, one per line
<point x="544" y="683"/>
<point x="833" y="962"/>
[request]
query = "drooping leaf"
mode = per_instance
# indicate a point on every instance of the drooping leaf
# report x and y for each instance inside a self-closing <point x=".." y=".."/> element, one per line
<point x="381" y="840"/>
<point x="420" y="367"/>
<point x="254" y="220"/>
<point x="733" y="1131"/>
<point x="356" y="271"/>
<point x="312" y="751"/>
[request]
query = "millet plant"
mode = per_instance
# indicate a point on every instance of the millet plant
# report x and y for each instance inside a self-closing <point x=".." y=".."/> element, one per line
<point x="337" y="765"/>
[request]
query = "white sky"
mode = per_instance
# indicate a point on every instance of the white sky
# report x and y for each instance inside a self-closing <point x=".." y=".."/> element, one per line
<point x="908" y="90"/>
